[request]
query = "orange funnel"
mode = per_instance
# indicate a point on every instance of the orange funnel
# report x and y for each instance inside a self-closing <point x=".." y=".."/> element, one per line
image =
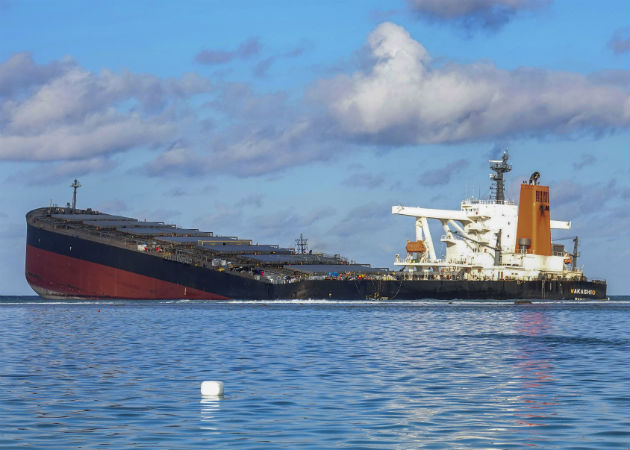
<point x="533" y="232"/>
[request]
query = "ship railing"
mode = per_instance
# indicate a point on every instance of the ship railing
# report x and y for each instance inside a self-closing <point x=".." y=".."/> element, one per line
<point x="441" y="261"/>
<point x="187" y="256"/>
<point x="95" y="235"/>
<point x="476" y="201"/>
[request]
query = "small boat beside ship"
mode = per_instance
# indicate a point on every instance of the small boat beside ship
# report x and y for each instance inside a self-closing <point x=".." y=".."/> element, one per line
<point x="495" y="249"/>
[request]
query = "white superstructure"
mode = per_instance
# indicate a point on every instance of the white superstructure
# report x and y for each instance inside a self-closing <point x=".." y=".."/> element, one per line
<point x="481" y="239"/>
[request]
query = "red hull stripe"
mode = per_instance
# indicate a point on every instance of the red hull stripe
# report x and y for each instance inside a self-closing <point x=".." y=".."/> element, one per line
<point x="72" y="277"/>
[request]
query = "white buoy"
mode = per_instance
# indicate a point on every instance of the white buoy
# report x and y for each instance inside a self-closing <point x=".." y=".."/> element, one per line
<point x="213" y="388"/>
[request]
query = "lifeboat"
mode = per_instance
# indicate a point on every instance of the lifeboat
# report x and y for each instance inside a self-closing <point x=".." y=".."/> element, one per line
<point x="416" y="247"/>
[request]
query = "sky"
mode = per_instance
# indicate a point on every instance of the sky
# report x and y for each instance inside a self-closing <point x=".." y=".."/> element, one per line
<point x="265" y="120"/>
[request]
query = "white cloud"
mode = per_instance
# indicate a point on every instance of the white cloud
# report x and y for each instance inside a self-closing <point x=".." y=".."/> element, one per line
<point x="177" y="159"/>
<point x="405" y="98"/>
<point x="402" y="98"/>
<point x="267" y="147"/>
<point x="99" y="134"/>
<point x="249" y="146"/>
<point x="20" y="72"/>
<point x="62" y="111"/>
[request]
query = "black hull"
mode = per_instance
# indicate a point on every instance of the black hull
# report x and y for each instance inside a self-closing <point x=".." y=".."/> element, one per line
<point x="227" y="284"/>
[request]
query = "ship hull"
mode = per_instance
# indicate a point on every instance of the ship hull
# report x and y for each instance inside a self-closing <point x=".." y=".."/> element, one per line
<point x="63" y="266"/>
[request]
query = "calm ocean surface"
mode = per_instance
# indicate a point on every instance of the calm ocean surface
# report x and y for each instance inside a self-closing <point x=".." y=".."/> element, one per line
<point x="314" y="375"/>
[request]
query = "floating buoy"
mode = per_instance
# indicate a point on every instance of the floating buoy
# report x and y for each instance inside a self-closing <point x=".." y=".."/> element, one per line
<point x="213" y="388"/>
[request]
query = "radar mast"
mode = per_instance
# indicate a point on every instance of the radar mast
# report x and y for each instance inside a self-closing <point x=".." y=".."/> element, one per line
<point x="301" y="244"/>
<point x="75" y="185"/>
<point x="499" y="167"/>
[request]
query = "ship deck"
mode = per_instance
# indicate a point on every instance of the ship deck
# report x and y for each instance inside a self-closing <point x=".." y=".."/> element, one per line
<point x="242" y="257"/>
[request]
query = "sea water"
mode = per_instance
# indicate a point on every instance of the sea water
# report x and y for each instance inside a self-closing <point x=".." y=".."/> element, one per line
<point x="314" y="375"/>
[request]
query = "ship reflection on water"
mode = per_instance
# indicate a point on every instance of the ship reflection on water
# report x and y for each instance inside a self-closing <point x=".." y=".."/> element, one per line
<point x="534" y="369"/>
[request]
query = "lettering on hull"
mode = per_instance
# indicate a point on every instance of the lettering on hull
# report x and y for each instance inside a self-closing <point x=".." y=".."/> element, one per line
<point x="579" y="291"/>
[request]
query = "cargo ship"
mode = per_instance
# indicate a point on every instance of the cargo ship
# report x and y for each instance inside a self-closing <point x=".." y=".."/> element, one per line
<point x="494" y="249"/>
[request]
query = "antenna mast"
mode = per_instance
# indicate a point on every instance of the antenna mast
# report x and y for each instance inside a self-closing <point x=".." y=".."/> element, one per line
<point x="500" y="167"/>
<point x="575" y="253"/>
<point x="301" y="245"/>
<point x="75" y="185"/>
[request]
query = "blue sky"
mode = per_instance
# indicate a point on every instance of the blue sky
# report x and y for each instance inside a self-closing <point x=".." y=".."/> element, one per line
<point x="270" y="119"/>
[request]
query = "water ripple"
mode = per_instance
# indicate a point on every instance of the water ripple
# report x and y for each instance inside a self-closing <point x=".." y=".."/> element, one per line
<point x="314" y="375"/>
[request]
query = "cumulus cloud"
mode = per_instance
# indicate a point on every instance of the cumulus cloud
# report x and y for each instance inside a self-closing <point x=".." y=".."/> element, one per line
<point x="21" y="72"/>
<point x="401" y="98"/>
<point x="255" y="134"/>
<point x="100" y="134"/>
<point x="268" y="146"/>
<point x="177" y="159"/>
<point x="488" y="14"/>
<point x="398" y="96"/>
<point x="406" y="98"/>
<point x="620" y="41"/>
<point x="244" y="149"/>
<point x="248" y="48"/>
<point x="61" y="111"/>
